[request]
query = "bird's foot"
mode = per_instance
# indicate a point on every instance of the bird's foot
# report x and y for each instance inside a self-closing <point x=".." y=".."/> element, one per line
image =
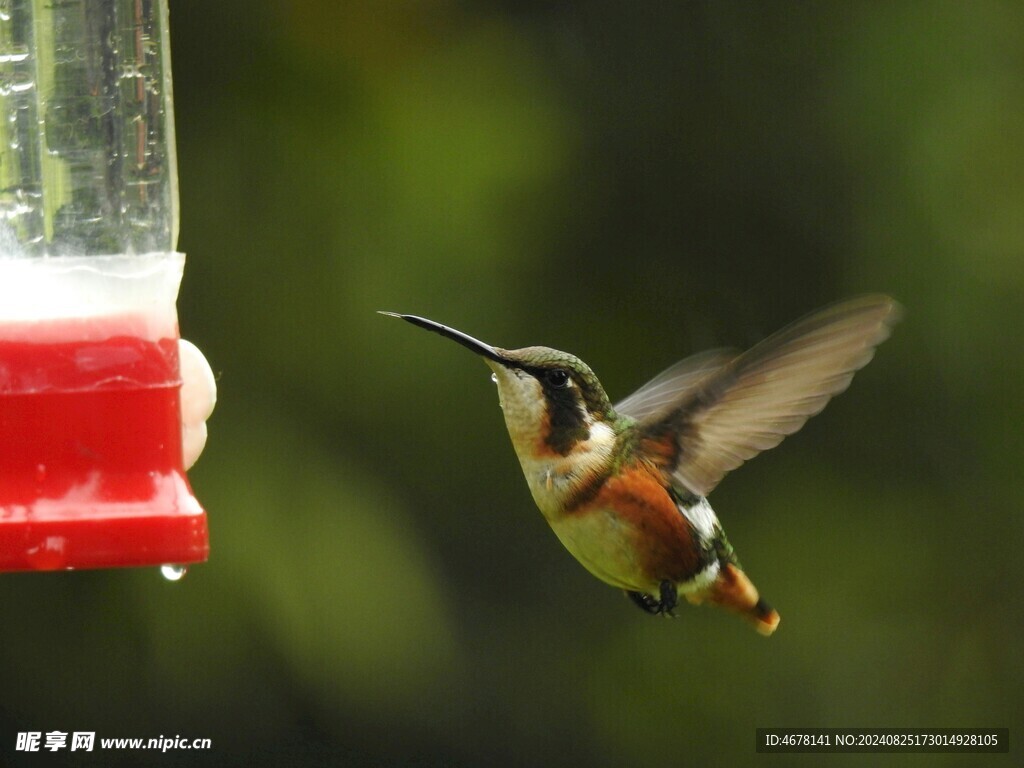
<point x="669" y="598"/>
<point x="645" y="602"/>
<point x="665" y="606"/>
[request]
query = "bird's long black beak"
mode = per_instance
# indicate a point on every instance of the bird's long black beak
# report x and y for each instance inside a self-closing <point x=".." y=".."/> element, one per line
<point x="475" y="345"/>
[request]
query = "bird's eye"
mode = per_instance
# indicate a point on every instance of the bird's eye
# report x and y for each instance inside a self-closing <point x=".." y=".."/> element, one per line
<point x="557" y="378"/>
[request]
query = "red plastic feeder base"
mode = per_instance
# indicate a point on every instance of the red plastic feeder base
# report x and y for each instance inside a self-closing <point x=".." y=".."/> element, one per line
<point x="91" y="469"/>
<point x="168" y="529"/>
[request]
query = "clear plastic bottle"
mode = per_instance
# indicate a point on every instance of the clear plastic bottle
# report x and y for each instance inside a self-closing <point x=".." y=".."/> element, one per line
<point x="91" y="473"/>
<point x="87" y="159"/>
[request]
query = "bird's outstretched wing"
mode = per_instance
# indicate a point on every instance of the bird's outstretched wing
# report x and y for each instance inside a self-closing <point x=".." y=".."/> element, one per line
<point x="666" y="390"/>
<point x="715" y="412"/>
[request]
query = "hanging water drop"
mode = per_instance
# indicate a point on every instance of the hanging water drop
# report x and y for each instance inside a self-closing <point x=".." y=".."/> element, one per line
<point x="173" y="572"/>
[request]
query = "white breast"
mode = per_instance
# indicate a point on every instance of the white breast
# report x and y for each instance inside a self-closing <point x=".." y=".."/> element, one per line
<point x="552" y="479"/>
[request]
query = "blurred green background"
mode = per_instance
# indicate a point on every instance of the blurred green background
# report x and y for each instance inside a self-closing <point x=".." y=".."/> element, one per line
<point x="632" y="182"/>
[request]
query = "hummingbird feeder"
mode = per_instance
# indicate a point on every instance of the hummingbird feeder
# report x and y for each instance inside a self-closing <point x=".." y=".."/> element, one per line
<point x="91" y="467"/>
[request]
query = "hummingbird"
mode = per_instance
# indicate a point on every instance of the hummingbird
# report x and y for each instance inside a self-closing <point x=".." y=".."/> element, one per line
<point x="624" y="487"/>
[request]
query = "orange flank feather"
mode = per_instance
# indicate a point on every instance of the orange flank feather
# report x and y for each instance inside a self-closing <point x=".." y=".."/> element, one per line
<point x="662" y="537"/>
<point x="661" y="449"/>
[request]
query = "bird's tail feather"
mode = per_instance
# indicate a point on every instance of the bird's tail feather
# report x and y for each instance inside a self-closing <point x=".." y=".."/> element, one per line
<point x="734" y="590"/>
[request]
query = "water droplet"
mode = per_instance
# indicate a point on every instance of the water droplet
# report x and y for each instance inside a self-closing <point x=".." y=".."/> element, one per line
<point x="173" y="572"/>
<point x="494" y="378"/>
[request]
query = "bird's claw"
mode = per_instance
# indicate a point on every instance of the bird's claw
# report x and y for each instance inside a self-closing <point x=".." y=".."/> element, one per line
<point x="664" y="606"/>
